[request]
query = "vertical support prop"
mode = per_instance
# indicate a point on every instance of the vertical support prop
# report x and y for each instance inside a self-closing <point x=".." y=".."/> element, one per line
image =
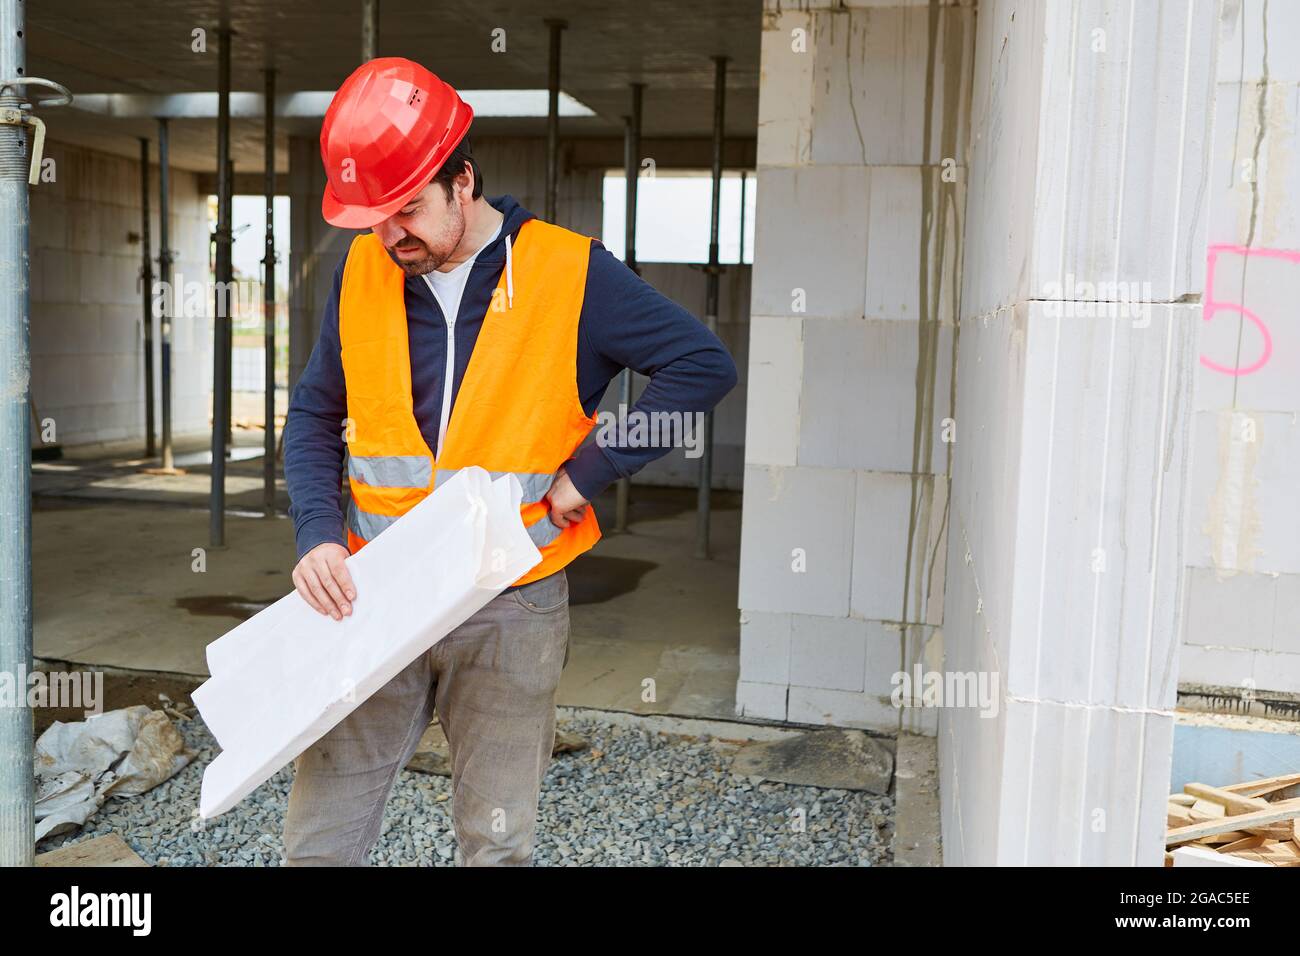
<point x="369" y="30"/>
<point x="556" y="27"/>
<point x="146" y="290"/>
<point x="17" y="800"/>
<point x="19" y="169"/>
<point x="703" y="503"/>
<point x="631" y="172"/>
<point x="221" y="325"/>
<point x="268" y="306"/>
<point x="165" y="279"/>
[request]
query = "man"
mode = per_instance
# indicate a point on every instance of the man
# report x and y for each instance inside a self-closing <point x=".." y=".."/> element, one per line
<point x="459" y="331"/>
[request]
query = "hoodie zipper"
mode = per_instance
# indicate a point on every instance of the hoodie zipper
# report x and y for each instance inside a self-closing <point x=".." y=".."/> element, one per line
<point x="450" y="321"/>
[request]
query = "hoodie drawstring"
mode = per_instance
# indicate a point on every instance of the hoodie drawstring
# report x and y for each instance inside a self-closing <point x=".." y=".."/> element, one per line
<point x="510" y="276"/>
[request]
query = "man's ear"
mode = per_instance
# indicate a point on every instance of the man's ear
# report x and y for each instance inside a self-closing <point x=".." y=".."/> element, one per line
<point x="465" y="185"/>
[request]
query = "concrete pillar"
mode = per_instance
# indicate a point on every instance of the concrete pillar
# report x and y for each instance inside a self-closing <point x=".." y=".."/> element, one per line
<point x="862" y="131"/>
<point x="1085" y="236"/>
<point x="1242" y="622"/>
<point x="1060" y="258"/>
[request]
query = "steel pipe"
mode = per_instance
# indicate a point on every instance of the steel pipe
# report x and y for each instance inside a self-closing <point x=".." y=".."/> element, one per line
<point x="703" y="505"/>
<point x="221" y="313"/>
<point x="17" y="801"/>
<point x="268" y="306"/>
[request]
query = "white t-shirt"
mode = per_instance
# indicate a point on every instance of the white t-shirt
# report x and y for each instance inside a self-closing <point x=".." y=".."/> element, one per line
<point x="447" y="289"/>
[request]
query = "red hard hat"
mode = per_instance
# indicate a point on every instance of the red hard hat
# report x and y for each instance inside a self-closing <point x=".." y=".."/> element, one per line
<point x="390" y="127"/>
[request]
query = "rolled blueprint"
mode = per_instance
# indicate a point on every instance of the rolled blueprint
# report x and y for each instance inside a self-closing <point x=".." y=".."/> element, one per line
<point x="283" y="678"/>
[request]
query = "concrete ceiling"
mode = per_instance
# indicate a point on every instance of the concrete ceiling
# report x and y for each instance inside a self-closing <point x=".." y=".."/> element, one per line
<point x="105" y="46"/>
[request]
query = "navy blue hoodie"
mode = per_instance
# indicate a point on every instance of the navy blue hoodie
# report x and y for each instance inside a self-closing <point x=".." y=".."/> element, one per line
<point x="625" y="323"/>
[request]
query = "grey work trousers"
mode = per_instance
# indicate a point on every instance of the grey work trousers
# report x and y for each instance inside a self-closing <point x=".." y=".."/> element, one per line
<point x="492" y="683"/>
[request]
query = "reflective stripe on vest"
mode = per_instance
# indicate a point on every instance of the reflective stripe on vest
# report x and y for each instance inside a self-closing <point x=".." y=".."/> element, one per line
<point x="404" y="471"/>
<point x="391" y="471"/>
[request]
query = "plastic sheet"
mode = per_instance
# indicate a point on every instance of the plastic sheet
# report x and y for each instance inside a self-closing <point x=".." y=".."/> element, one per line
<point x="80" y="765"/>
<point x="282" y="679"/>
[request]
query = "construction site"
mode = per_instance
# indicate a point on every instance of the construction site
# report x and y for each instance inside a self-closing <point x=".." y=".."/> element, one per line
<point x="990" y="557"/>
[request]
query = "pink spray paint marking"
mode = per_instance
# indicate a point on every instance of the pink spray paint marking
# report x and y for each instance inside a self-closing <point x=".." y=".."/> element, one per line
<point x="1213" y="305"/>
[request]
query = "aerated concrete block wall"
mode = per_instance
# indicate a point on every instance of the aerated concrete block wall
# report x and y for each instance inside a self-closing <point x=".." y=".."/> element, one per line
<point x="863" y="125"/>
<point x="87" y="316"/>
<point x="1085" y="241"/>
<point x="1242" y="621"/>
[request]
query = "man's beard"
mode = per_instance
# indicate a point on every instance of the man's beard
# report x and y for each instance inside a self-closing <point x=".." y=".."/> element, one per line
<point x="432" y="260"/>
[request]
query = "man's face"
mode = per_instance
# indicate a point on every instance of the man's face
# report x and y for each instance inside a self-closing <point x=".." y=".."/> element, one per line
<point x="423" y="234"/>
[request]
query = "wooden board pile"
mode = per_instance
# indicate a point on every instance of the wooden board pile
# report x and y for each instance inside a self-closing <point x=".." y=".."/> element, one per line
<point x="1257" y="820"/>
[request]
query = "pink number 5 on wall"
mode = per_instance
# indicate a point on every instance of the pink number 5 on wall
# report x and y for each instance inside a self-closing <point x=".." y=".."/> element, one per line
<point x="1214" y="304"/>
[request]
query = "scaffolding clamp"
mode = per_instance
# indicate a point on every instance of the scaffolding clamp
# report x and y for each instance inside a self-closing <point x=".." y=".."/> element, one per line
<point x="18" y="116"/>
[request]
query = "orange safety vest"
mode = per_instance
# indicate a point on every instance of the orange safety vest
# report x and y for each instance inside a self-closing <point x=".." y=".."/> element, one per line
<point x="517" y="409"/>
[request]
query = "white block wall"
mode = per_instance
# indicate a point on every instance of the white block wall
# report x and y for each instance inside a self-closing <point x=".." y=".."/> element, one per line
<point x="857" y="261"/>
<point x="1242" y="621"/>
<point x="87" y="330"/>
<point x="1089" y="161"/>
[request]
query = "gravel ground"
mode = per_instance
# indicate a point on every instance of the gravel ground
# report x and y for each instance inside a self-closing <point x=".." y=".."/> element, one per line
<point x="635" y="797"/>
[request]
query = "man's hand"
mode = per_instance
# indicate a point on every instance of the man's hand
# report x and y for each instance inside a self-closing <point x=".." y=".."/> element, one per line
<point x="566" y="504"/>
<point x="322" y="579"/>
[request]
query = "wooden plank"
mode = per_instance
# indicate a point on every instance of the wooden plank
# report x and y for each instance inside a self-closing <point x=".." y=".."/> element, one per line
<point x="107" y="850"/>
<point x="1272" y="831"/>
<point x="1208" y="810"/>
<point x="1277" y="812"/>
<point x="1234" y="803"/>
<point x="1177" y="816"/>
<point x="1249" y="843"/>
<point x="1257" y="788"/>
<point x="1253" y="855"/>
<point x="1182" y="799"/>
<point x="1270" y="855"/>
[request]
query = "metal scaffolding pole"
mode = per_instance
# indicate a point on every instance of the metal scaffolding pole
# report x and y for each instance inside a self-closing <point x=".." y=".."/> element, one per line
<point x="268" y="307"/>
<point x="631" y="170"/>
<point x="231" y="299"/>
<point x="221" y="313"/>
<point x="703" y="505"/>
<point x="17" y="814"/>
<point x="165" y="277"/>
<point x="553" y="120"/>
<point x="17" y="172"/>
<point x="369" y="29"/>
<point x="146" y="286"/>
<point x="744" y="179"/>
